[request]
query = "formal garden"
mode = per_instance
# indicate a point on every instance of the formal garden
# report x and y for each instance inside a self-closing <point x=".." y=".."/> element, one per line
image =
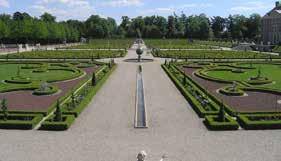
<point x="67" y="54"/>
<point x="48" y="95"/>
<point x="211" y="54"/>
<point x="105" y="44"/>
<point x="230" y="95"/>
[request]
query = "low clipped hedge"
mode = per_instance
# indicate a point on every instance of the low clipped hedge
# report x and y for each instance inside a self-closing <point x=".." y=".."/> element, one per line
<point x="238" y="71"/>
<point x="51" y="125"/>
<point x="212" y="123"/>
<point x="228" y="109"/>
<point x="227" y="91"/>
<point x="49" y="91"/>
<point x="259" y="81"/>
<point x="20" y="121"/>
<point x="18" y="80"/>
<point x="197" y="107"/>
<point x="94" y="89"/>
<point x="259" y="121"/>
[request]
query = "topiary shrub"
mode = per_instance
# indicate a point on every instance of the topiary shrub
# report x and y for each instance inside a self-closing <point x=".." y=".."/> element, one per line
<point x="94" y="79"/>
<point x="4" y="109"/>
<point x="58" y="113"/>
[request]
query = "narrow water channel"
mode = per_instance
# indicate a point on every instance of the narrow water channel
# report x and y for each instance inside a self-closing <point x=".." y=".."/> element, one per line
<point x="140" y="120"/>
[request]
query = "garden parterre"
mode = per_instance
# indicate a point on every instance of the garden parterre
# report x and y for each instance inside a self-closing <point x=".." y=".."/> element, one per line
<point x="257" y="106"/>
<point x="35" y="88"/>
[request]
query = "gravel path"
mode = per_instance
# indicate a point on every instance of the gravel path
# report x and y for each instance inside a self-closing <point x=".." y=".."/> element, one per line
<point x="104" y="131"/>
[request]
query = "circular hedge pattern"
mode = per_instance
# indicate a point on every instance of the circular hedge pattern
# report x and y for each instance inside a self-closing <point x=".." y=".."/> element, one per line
<point x="230" y="92"/>
<point x="48" y="91"/>
<point x="18" y="80"/>
<point x="259" y="81"/>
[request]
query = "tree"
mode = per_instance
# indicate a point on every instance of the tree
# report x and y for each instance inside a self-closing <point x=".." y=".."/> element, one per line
<point x="48" y="18"/>
<point x="4" y="30"/>
<point x="58" y="113"/>
<point x="218" y="26"/>
<point x="4" y="109"/>
<point x="171" y="27"/>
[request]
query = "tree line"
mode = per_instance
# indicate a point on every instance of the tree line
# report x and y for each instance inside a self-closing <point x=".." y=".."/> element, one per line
<point x="23" y="28"/>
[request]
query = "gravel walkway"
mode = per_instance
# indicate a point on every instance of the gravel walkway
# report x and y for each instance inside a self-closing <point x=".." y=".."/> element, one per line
<point x="104" y="131"/>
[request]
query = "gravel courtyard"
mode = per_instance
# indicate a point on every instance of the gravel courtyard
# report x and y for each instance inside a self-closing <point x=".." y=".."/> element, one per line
<point x="104" y="131"/>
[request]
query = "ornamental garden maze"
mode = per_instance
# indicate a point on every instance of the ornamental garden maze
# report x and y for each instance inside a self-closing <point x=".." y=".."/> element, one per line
<point x="49" y="94"/>
<point x="228" y="89"/>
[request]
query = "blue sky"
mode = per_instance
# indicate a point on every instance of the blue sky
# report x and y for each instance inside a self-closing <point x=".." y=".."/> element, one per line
<point x="81" y="9"/>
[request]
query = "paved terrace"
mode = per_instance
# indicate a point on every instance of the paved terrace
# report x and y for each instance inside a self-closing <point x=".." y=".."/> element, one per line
<point x="104" y="131"/>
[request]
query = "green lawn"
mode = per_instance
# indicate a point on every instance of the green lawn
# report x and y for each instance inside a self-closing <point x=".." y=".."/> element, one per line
<point x="211" y="54"/>
<point x="49" y="74"/>
<point x="272" y="72"/>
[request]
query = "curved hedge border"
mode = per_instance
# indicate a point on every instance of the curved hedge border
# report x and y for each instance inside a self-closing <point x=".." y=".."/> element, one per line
<point x="227" y="91"/>
<point x="51" y="90"/>
<point x="18" y="81"/>
<point x="259" y="81"/>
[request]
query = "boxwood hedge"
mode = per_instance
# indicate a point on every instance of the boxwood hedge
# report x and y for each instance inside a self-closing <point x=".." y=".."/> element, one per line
<point x="212" y="123"/>
<point x="260" y="121"/>
<point x="51" y="125"/>
<point x="20" y="121"/>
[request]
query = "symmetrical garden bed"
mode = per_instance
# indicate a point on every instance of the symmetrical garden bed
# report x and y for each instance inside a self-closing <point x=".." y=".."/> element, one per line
<point x="36" y="89"/>
<point x="221" y="83"/>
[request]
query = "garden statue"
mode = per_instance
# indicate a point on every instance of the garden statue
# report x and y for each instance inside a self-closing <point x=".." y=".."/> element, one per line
<point x="44" y="86"/>
<point x="139" y="52"/>
<point x="141" y="156"/>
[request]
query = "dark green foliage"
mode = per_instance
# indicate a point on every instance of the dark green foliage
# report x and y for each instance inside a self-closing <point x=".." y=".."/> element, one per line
<point x="260" y="121"/>
<point x="184" y="81"/>
<point x="20" y="121"/>
<point x="73" y="100"/>
<point x="51" y="125"/>
<point x="4" y="109"/>
<point x="94" y="79"/>
<point x="213" y="123"/>
<point x="222" y="113"/>
<point x="58" y="113"/>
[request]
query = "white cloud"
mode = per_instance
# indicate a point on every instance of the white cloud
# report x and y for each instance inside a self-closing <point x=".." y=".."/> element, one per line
<point x="4" y="3"/>
<point x="171" y="9"/>
<point x="122" y="3"/>
<point x="64" y="9"/>
<point x="251" y="7"/>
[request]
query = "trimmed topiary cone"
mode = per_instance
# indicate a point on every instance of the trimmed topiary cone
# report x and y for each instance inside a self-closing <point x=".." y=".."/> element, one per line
<point x="58" y="113"/>
<point x="94" y="79"/>
<point x="222" y="113"/>
<point x="4" y="109"/>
